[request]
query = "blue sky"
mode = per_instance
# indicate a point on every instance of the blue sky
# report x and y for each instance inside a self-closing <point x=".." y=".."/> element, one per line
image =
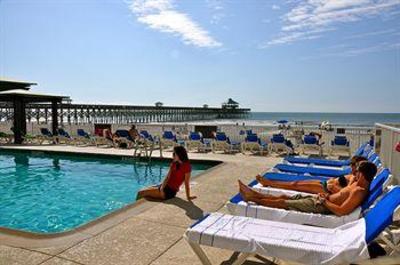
<point x="294" y="55"/>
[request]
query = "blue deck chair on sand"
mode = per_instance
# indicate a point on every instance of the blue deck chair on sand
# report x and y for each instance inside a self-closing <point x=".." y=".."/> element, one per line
<point x="168" y="140"/>
<point x="146" y="135"/>
<point x="280" y="144"/>
<point x="254" y="145"/>
<point x="221" y="142"/>
<point x="311" y="144"/>
<point x="327" y="162"/>
<point x="123" y="138"/>
<point x="145" y="145"/>
<point x="46" y="135"/>
<point x="322" y="170"/>
<point x="83" y="138"/>
<point x="195" y="141"/>
<point x="340" y="144"/>
<point x="237" y="206"/>
<point x="63" y="136"/>
<point x="303" y="244"/>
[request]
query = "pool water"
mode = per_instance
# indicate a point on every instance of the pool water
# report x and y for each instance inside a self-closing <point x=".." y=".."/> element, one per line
<point x="50" y="193"/>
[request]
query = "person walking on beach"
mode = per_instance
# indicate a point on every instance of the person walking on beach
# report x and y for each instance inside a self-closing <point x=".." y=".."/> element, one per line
<point x="179" y="173"/>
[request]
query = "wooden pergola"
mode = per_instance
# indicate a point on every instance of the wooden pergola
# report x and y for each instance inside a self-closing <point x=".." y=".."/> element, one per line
<point x="18" y="93"/>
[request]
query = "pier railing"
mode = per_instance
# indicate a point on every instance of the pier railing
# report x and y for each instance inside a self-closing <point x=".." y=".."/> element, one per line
<point x="387" y="137"/>
<point x="122" y="114"/>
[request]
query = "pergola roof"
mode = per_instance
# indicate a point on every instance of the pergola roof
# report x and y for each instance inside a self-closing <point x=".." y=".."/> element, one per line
<point x="28" y="96"/>
<point x="8" y="84"/>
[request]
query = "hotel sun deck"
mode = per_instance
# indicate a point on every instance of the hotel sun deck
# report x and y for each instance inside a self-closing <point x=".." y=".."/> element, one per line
<point x="68" y="193"/>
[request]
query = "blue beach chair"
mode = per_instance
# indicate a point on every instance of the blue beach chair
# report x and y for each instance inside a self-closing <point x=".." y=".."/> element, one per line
<point x="279" y="144"/>
<point x="253" y="144"/>
<point x="46" y="135"/>
<point x="123" y="138"/>
<point x="83" y="138"/>
<point x="310" y="143"/>
<point x="63" y="136"/>
<point x="327" y="162"/>
<point x="221" y="142"/>
<point x="237" y="206"/>
<point x="195" y="141"/>
<point x="168" y="140"/>
<point x="303" y="244"/>
<point x="340" y="144"/>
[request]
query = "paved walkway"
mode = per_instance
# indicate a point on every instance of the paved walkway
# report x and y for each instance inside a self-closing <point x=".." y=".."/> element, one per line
<point x="153" y="236"/>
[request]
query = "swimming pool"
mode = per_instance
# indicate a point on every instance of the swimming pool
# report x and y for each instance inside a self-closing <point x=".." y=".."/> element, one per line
<point x="46" y="192"/>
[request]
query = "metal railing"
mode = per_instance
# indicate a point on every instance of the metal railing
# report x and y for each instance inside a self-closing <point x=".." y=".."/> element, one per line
<point x="386" y="138"/>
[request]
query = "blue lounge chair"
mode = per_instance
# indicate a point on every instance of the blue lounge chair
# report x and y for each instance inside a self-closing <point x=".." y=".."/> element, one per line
<point x="146" y="135"/>
<point x="168" y="140"/>
<point x="63" y="136"/>
<point x="195" y="141"/>
<point x="326" y="162"/>
<point x="221" y="142"/>
<point x="310" y="143"/>
<point x="316" y="171"/>
<point x="123" y="138"/>
<point x="46" y="135"/>
<point x="237" y="206"/>
<point x="83" y="138"/>
<point x="322" y="171"/>
<point x="279" y="144"/>
<point x="299" y="243"/>
<point x="340" y="144"/>
<point x="145" y="145"/>
<point x="253" y="144"/>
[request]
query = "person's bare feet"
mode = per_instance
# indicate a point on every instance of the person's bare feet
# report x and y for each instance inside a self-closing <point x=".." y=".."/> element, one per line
<point x="246" y="192"/>
<point x="262" y="181"/>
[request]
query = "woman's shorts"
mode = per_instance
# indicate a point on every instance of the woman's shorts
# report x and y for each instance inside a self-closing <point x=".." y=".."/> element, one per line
<point x="169" y="193"/>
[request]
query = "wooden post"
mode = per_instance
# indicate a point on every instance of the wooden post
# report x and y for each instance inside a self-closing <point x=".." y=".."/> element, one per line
<point x="19" y="120"/>
<point x="54" y="116"/>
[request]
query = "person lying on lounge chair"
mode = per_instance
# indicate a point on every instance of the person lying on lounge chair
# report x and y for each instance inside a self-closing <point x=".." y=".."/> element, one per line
<point x="332" y="185"/>
<point x="178" y="174"/>
<point x="341" y="203"/>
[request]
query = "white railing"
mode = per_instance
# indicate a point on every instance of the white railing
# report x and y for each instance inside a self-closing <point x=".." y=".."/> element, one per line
<point x="386" y="139"/>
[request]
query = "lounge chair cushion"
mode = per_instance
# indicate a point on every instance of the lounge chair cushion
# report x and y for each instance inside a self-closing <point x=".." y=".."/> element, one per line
<point x="319" y="171"/>
<point x="299" y="243"/>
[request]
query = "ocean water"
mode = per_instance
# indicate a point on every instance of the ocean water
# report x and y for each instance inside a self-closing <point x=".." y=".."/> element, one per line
<point x="309" y="118"/>
<point x="50" y="193"/>
<point x="356" y="119"/>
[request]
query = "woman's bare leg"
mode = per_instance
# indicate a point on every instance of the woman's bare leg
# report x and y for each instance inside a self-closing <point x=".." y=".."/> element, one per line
<point x="310" y="186"/>
<point x="261" y="199"/>
<point x="248" y="192"/>
<point x="151" y="192"/>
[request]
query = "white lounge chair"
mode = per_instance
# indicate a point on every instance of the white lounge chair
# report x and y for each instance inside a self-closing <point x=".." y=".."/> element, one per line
<point x="302" y="244"/>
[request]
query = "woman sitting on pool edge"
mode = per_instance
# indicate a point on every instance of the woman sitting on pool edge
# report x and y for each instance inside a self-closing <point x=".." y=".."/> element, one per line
<point x="179" y="173"/>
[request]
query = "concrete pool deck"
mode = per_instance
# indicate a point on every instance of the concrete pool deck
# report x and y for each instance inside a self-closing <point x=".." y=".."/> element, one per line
<point x="152" y="232"/>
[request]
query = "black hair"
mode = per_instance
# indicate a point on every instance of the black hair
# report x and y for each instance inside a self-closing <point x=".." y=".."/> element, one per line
<point x="181" y="152"/>
<point x="356" y="159"/>
<point x="368" y="170"/>
<point x="342" y="181"/>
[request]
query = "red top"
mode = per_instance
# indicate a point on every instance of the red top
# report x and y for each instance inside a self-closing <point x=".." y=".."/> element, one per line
<point x="177" y="176"/>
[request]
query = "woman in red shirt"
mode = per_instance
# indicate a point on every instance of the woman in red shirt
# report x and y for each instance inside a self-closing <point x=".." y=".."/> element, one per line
<point x="179" y="173"/>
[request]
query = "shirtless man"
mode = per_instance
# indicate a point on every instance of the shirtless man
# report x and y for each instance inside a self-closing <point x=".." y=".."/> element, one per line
<point x="340" y="203"/>
<point x="330" y="186"/>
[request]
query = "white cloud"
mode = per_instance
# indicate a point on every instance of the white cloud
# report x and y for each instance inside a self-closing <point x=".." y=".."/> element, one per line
<point x="275" y="7"/>
<point x="307" y="16"/>
<point x="162" y="16"/>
